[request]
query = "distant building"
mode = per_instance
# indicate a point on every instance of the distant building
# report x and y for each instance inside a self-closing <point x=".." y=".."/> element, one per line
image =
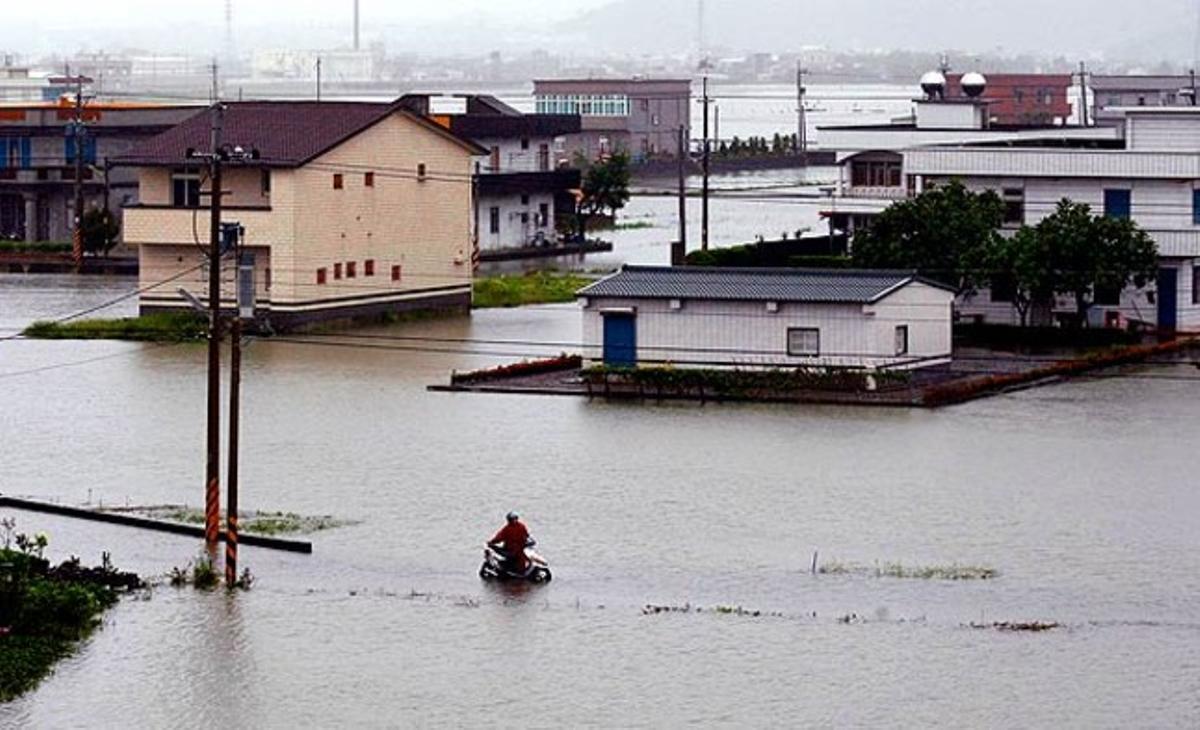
<point x="19" y="85"/>
<point x="1022" y="99"/>
<point x="37" y="162"/>
<point x="1151" y="176"/>
<point x="640" y="117"/>
<point x="1112" y="94"/>
<point x="337" y="66"/>
<point x="526" y="179"/>
<point x="352" y="210"/>
<point x="766" y="318"/>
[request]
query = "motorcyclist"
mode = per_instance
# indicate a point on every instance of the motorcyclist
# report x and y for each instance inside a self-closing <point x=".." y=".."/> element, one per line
<point x="511" y="540"/>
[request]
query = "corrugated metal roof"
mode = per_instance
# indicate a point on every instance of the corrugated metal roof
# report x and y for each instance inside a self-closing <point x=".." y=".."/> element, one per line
<point x="831" y="286"/>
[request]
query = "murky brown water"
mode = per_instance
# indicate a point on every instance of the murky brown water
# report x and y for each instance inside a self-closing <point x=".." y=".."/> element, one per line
<point x="1083" y="496"/>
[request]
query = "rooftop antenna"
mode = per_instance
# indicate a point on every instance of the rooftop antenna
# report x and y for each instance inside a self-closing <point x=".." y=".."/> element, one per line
<point x="944" y="64"/>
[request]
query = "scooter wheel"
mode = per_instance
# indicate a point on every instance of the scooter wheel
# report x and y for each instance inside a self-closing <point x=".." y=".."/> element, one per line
<point x="485" y="572"/>
<point x="542" y="576"/>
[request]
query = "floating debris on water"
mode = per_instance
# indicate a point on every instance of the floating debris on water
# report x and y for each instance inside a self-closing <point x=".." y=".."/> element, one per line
<point x="951" y="572"/>
<point x="252" y="522"/>
<point x="1035" y="627"/>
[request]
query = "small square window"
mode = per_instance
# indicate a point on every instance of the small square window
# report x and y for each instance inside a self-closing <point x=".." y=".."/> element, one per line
<point x="337" y="271"/>
<point x="421" y="171"/>
<point x="351" y="269"/>
<point x="902" y="340"/>
<point x="369" y="267"/>
<point x="321" y="274"/>
<point x="338" y="181"/>
<point x="395" y="272"/>
<point x="804" y="342"/>
<point x="369" y="179"/>
<point x="524" y="200"/>
<point x="525" y="143"/>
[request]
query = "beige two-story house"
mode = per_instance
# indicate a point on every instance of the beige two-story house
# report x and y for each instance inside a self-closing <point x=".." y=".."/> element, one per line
<point x="351" y="210"/>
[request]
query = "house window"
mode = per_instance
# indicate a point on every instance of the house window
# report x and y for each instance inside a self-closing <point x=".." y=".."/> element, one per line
<point x="89" y="150"/>
<point x="495" y="220"/>
<point x="369" y="179"/>
<point x="1196" y="207"/>
<point x="369" y="267"/>
<point x="524" y="200"/>
<point x="1014" y="206"/>
<point x="395" y="272"/>
<point x="1118" y="203"/>
<point x="1004" y="289"/>
<point x="902" y="340"/>
<point x="16" y="152"/>
<point x="421" y="171"/>
<point x="267" y="278"/>
<point x="804" y="342"/>
<point x="494" y="159"/>
<point x="351" y="269"/>
<point x="338" y="181"/>
<point x="321" y="274"/>
<point x="185" y="189"/>
<point x="1196" y="285"/>
<point x="524" y="143"/>
<point x="337" y="271"/>
<point x="543" y="215"/>
<point x="1108" y="296"/>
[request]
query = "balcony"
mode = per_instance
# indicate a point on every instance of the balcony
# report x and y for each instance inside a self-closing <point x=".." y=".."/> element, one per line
<point x="168" y="225"/>
<point x="876" y="192"/>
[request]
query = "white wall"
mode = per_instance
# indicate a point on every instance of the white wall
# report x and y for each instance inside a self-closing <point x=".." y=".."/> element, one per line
<point x="513" y="232"/>
<point x="747" y="334"/>
<point x="515" y="159"/>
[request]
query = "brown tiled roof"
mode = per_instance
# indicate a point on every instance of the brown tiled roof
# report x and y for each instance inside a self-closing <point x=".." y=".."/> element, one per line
<point x="285" y="133"/>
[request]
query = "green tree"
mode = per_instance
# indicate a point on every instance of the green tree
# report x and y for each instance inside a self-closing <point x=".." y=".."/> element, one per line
<point x="1024" y="266"/>
<point x="1091" y="252"/>
<point x="605" y="189"/>
<point x="100" y="230"/>
<point x="946" y="233"/>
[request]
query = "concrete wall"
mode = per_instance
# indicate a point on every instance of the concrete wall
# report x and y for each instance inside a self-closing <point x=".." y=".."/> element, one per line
<point x="519" y="220"/>
<point x="515" y="158"/>
<point x="747" y="334"/>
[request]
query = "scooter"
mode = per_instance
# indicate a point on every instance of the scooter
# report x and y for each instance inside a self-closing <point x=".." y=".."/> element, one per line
<point x="496" y="566"/>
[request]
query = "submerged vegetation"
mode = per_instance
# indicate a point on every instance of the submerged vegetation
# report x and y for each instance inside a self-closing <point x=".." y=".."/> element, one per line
<point x="952" y="572"/>
<point x="269" y="524"/>
<point x="45" y="611"/>
<point x="542" y="287"/>
<point x="162" y="327"/>
<point x="745" y="383"/>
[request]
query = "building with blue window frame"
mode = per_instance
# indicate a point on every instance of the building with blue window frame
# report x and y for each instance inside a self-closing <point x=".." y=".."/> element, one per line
<point x="37" y="162"/>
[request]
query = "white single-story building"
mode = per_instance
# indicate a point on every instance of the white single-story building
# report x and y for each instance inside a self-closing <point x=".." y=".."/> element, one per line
<point x="766" y="318"/>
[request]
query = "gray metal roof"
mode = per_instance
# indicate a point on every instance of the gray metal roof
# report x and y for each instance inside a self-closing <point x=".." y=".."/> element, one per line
<point x="832" y="286"/>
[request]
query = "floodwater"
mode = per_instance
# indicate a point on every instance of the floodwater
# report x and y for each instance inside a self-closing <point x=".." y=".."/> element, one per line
<point x="1082" y="496"/>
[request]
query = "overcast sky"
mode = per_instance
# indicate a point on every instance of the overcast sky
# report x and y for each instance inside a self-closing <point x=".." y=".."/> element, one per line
<point x="1150" y="30"/>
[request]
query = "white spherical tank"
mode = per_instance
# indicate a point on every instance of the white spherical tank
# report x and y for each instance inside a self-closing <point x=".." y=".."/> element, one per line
<point x="934" y="84"/>
<point x="974" y="84"/>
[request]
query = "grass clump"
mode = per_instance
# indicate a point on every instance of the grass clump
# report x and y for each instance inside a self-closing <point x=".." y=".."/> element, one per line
<point x="541" y="287"/>
<point x="161" y="327"/>
<point x="45" y="611"/>
<point x="950" y="572"/>
<point x="35" y="247"/>
<point x="270" y="524"/>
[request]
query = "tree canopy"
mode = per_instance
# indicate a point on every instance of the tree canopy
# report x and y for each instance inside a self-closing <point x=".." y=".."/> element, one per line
<point x="100" y="230"/>
<point x="944" y="233"/>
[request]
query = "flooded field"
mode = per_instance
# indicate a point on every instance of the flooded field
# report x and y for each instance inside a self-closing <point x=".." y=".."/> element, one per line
<point x="1081" y="498"/>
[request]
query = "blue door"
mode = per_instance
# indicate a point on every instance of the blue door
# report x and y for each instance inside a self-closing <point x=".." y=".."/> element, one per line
<point x="620" y="340"/>
<point x="1168" y="299"/>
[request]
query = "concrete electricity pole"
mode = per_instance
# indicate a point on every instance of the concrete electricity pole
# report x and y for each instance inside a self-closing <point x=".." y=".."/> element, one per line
<point x="78" y="135"/>
<point x="801" y="114"/>
<point x="684" y="147"/>
<point x="1083" y="95"/>
<point x="706" y="150"/>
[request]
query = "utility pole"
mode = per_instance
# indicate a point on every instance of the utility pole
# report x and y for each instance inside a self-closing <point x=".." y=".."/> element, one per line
<point x="706" y="150"/>
<point x="318" y="78"/>
<point x="356" y="26"/>
<point x="801" y="114"/>
<point x="1192" y="75"/>
<point x="245" y="310"/>
<point x="212" y="494"/>
<point x="78" y="133"/>
<point x="1083" y="95"/>
<point x="684" y="147"/>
